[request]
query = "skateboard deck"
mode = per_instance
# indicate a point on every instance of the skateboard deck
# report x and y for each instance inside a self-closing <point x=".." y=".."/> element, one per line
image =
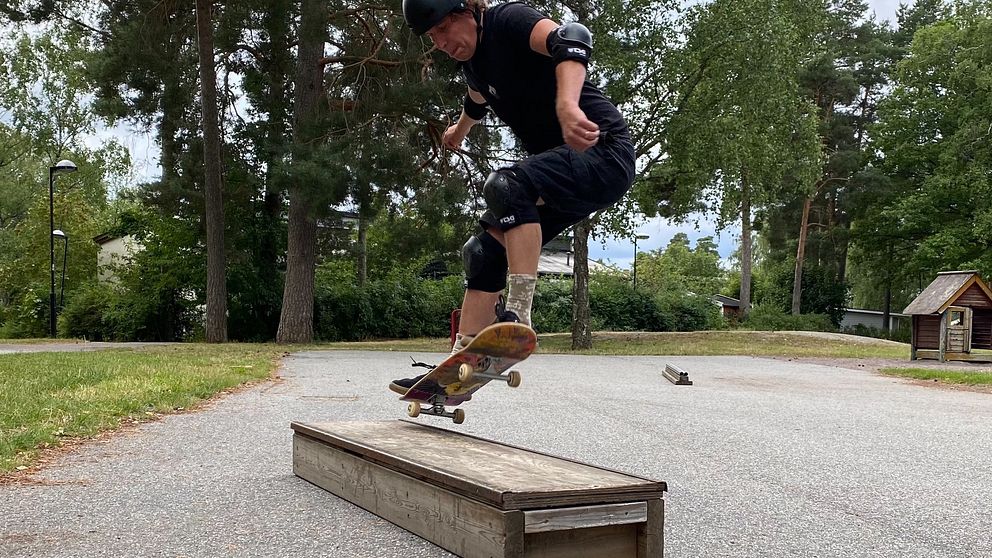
<point x="493" y="351"/>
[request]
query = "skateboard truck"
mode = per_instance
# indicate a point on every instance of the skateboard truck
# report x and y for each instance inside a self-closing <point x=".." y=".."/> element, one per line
<point x="436" y="402"/>
<point x="466" y="373"/>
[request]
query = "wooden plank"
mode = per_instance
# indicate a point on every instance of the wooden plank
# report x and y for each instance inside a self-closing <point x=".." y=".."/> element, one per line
<point x="496" y="474"/>
<point x="614" y="541"/>
<point x="560" y="519"/>
<point x="460" y="525"/>
<point x="651" y="534"/>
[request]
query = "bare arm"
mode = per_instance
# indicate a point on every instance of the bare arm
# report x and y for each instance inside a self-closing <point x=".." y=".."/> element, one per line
<point x="455" y="135"/>
<point x="577" y="130"/>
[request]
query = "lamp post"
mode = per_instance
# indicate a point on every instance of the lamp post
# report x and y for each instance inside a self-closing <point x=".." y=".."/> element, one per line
<point x="65" y="257"/>
<point x="63" y="166"/>
<point x="636" y="238"/>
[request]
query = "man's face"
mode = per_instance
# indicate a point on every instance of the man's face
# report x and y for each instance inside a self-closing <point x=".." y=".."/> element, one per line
<point x="456" y="35"/>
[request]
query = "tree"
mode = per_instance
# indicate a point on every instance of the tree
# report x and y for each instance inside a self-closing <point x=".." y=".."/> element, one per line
<point x="47" y="117"/>
<point x="216" y="323"/>
<point x="742" y="136"/>
<point x="681" y="269"/>
<point x="934" y="133"/>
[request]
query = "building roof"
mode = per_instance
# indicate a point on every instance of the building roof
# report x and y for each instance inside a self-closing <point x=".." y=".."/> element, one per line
<point x="727" y="301"/>
<point x="944" y="290"/>
<point x="561" y="263"/>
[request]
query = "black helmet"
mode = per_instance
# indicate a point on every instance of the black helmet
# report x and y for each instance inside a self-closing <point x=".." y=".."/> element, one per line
<point x="421" y="15"/>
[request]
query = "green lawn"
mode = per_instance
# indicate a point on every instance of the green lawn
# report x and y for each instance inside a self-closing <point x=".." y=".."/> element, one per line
<point x="965" y="377"/>
<point x="45" y="397"/>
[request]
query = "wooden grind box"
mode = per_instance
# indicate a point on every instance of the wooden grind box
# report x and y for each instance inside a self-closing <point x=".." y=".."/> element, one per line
<point x="478" y="498"/>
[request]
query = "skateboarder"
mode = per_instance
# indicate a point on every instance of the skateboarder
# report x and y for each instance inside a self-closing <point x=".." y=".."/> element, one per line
<point x="531" y="72"/>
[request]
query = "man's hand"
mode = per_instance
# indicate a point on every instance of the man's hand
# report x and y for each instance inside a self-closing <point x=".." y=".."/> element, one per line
<point x="579" y="132"/>
<point x="453" y="137"/>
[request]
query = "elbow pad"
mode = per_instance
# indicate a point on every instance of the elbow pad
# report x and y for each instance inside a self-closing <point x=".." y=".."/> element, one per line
<point x="474" y="110"/>
<point x="571" y="41"/>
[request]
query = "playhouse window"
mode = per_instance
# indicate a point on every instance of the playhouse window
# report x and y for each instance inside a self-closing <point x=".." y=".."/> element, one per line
<point x="957" y="318"/>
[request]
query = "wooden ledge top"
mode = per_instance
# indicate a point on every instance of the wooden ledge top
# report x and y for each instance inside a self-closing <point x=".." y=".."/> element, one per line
<point x="500" y="475"/>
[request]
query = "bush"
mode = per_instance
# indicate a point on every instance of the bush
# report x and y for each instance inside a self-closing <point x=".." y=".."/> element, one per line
<point x="690" y="312"/>
<point x="616" y="306"/>
<point x="27" y="316"/>
<point x="769" y="317"/>
<point x="401" y="306"/>
<point x="85" y="315"/>
<point x="552" y="310"/>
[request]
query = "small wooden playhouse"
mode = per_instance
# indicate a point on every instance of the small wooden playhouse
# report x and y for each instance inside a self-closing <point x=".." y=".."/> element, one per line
<point x="952" y="316"/>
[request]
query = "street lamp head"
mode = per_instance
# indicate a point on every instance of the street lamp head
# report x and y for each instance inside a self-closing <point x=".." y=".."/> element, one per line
<point x="64" y="165"/>
<point x="59" y="234"/>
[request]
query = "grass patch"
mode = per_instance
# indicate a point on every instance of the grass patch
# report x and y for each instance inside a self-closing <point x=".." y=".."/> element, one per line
<point x="701" y="343"/>
<point x="48" y="397"/>
<point x="962" y="377"/>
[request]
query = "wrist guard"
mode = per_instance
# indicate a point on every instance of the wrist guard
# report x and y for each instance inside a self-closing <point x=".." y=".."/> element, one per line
<point x="571" y="41"/>
<point x="474" y="110"/>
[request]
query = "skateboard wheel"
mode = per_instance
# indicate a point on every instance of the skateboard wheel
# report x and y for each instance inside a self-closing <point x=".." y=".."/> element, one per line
<point x="413" y="409"/>
<point x="514" y="379"/>
<point x="459" y="416"/>
<point x="465" y="372"/>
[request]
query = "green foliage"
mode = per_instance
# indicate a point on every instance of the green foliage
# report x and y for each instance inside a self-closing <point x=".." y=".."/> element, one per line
<point x="742" y="132"/>
<point x="822" y="293"/>
<point x="85" y="317"/>
<point x="681" y="269"/>
<point x="552" y="309"/>
<point x="934" y="133"/>
<point x="616" y="306"/>
<point x="399" y="306"/>
<point x="771" y="317"/>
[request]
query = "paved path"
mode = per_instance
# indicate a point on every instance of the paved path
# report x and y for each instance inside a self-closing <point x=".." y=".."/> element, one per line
<point x="762" y="458"/>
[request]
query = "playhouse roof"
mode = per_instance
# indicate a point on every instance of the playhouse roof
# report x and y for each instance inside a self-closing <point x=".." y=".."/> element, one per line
<point x="944" y="290"/>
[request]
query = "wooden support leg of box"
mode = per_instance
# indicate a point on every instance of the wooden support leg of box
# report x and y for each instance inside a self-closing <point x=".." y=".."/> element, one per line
<point x="471" y="507"/>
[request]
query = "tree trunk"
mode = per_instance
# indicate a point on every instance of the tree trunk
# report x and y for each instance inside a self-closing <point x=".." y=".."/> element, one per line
<point x="745" y="247"/>
<point x="277" y="68"/>
<point x="296" y="320"/>
<point x="887" y="303"/>
<point x="362" y="257"/>
<point x="797" y="279"/>
<point x="581" y="329"/>
<point x="216" y="326"/>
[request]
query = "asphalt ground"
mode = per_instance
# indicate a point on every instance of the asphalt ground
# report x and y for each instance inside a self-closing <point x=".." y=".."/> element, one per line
<point x="762" y="458"/>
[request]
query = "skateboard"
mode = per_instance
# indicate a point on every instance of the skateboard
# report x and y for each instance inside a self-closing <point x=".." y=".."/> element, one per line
<point x="491" y="353"/>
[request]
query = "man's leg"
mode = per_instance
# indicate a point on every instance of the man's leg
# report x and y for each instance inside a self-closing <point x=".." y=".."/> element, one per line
<point x="523" y="250"/>
<point x="477" y="311"/>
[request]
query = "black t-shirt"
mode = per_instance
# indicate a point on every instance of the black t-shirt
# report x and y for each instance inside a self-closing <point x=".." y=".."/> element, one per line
<point x="520" y="85"/>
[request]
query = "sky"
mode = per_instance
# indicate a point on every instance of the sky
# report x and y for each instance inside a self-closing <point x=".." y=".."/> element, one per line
<point x="144" y="153"/>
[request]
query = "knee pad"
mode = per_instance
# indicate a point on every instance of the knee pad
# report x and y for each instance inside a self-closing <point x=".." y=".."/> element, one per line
<point x="485" y="264"/>
<point x="498" y="191"/>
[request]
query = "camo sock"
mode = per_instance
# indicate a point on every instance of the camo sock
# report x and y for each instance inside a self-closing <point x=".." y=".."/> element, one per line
<point x="521" y="296"/>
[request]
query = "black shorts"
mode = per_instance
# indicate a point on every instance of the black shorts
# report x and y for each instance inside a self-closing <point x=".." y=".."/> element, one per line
<point x="573" y="185"/>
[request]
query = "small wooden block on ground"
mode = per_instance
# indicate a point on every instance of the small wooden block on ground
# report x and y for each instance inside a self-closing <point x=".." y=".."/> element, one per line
<point x="478" y="498"/>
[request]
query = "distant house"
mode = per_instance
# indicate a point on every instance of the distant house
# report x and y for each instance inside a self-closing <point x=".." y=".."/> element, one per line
<point x="730" y="308"/>
<point x="952" y="316"/>
<point x="557" y="259"/>
<point x="114" y="250"/>
<point x="854" y="317"/>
